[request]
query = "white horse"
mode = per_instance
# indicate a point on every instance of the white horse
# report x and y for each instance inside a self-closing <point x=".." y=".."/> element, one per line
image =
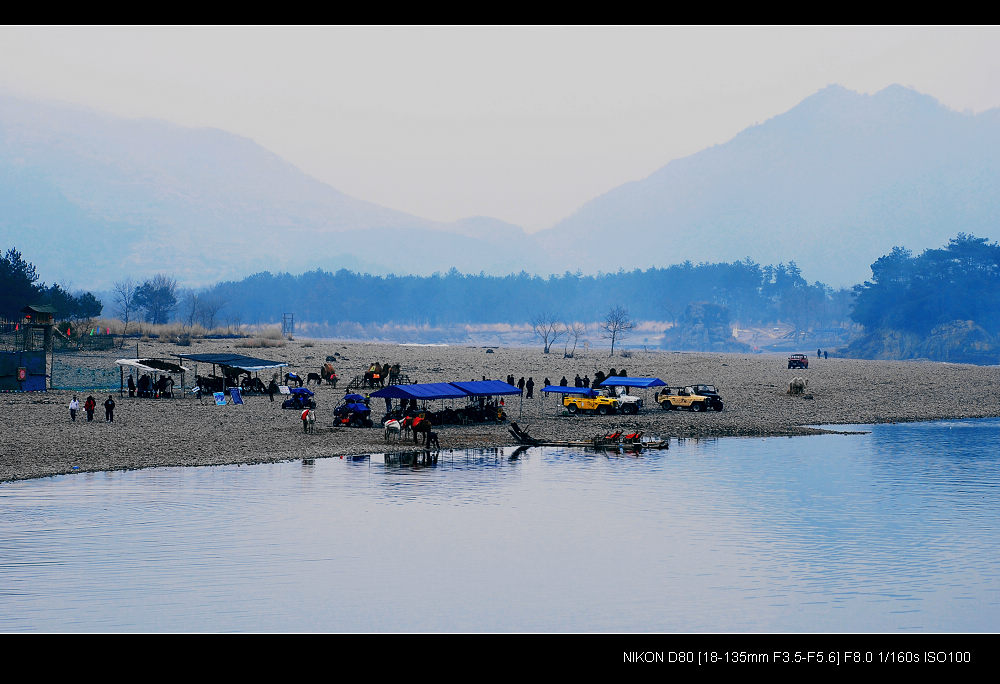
<point x="393" y="426"/>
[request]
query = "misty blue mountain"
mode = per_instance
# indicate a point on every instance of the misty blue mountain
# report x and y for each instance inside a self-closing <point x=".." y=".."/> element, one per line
<point x="94" y="198"/>
<point x="832" y="184"/>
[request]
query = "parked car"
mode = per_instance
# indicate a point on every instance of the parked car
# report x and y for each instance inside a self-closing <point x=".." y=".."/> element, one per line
<point x="798" y="361"/>
<point x="676" y="398"/>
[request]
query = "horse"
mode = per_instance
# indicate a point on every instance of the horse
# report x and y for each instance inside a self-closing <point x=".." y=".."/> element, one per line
<point x="165" y="386"/>
<point x="417" y="424"/>
<point x="393" y="374"/>
<point x="314" y="376"/>
<point x="432" y="440"/>
<point x="374" y="376"/>
<point x="292" y="377"/>
<point x="393" y="426"/>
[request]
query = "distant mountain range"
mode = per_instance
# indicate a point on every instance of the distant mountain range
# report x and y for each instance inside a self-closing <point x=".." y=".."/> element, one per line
<point x="832" y="184"/>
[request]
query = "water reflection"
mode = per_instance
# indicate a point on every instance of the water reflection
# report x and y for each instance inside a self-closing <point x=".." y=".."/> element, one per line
<point x="894" y="530"/>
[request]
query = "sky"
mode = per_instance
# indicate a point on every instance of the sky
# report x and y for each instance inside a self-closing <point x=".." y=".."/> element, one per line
<point x="520" y="123"/>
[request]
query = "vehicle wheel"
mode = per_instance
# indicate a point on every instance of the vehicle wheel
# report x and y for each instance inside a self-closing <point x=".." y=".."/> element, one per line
<point x="666" y="406"/>
<point x="718" y="406"/>
<point x="697" y="406"/>
<point x="571" y="408"/>
<point x="631" y="409"/>
<point x="602" y="410"/>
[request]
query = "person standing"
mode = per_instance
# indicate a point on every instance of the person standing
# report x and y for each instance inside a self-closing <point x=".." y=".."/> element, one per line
<point x="530" y="385"/>
<point x="90" y="406"/>
<point x="109" y="410"/>
<point x="305" y="420"/>
<point x="131" y="386"/>
<point x="74" y="406"/>
<point x="520" y="385"/>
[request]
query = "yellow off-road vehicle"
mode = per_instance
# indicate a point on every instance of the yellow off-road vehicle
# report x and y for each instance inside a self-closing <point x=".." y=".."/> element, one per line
<point x="675" y="398"/>
<point x="588" y="402"/>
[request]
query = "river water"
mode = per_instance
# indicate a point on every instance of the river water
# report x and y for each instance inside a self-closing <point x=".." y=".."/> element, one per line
<point x="894" y="531"/>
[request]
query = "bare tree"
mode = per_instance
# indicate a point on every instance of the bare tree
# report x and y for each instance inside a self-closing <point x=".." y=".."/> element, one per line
<point x="192" y="307"/>
<point x="616" y="325"/>
<point x="574" y="331"/>
<point x="125" y="299"/>
<point x="548" y="328"/>
<point x="208" y="310"/>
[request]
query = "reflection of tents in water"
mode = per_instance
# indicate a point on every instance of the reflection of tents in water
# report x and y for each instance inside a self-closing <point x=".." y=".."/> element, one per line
<point x="157" y="376"/>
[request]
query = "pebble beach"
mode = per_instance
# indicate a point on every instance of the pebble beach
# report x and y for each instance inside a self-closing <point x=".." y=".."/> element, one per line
<point x="40" y="440"/>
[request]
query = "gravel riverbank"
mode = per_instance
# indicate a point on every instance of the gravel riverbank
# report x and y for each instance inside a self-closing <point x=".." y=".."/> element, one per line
<point x="40" y="440"/>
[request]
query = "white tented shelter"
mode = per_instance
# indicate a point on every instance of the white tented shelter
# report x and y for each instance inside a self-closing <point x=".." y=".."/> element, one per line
<point x="154" y="369"/>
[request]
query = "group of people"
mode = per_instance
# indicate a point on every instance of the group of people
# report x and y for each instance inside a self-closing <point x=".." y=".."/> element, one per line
<point x="527" y="387"/>
<point x="146" y="387"/>
<point x="523" y="385"/>
<point x="90" y="406"/>
<point x="820" y="354"/>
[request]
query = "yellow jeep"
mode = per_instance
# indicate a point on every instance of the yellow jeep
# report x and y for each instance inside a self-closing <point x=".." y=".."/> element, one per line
<point x="599" y="404"/>
<point x="675" y="398"/>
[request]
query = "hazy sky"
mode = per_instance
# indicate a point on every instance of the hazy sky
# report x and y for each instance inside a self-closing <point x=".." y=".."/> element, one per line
<point x="523" y="124"/>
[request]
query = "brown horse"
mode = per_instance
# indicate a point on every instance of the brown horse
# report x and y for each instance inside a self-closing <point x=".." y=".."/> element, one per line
<point x="417" y="424"/>
<point x="375" y="376"/>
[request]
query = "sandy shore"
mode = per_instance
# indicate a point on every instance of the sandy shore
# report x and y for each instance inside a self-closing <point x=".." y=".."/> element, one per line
<point x="39" y="440"/>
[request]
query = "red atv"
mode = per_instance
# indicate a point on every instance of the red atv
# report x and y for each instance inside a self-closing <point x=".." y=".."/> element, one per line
<point x="798" y="361"/>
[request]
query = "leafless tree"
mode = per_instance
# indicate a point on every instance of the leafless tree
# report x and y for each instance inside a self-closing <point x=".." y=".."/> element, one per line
<point x="548" y="328"/>
<point x="192" y="307"/>
<point x="574" y="331"/>
<point x="208" y="309"/>
<point x="616" y="325"/>
<point x="125" y="299"/>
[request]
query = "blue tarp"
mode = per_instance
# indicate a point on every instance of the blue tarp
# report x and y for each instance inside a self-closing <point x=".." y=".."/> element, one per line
<point x="619" y="381"/>
<point x="427" y="390"/>
<point x="487" y="388"/>
<point x="559" y="389"/>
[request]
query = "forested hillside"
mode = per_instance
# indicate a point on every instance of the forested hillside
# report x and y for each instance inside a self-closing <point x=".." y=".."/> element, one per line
<point x="943" y="304"/>
<point x="750" y="293"/>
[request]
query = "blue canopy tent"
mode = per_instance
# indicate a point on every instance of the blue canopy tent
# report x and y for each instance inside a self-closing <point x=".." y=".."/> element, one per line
<point x="490" y="388"/>
<point x="486" y="388"/>
<point x="559" y="389"/>
<point x="426" y="390"/>
<point x="621" y="381"/>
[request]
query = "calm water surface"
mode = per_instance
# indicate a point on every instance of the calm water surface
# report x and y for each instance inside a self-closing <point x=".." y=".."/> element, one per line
<point x="893" y="531"/>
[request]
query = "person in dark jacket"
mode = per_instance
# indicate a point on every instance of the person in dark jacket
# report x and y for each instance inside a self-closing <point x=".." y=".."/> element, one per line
<point x="520" y="385"/>
<point x="530" y="385"/>
<point x="109" y="410"/>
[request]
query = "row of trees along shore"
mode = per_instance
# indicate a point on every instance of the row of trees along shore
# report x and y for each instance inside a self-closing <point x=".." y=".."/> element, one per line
<point x="915" y="295"/>
<point x="751" y="293"/>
